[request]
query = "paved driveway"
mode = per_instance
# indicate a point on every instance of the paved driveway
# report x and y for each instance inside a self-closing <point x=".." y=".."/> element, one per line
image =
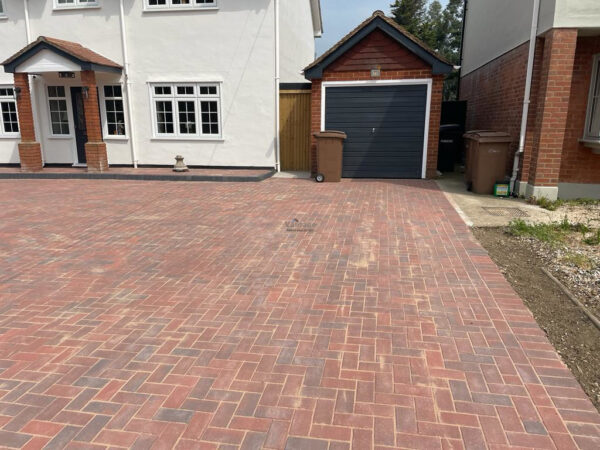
<point x="187" y="314"/>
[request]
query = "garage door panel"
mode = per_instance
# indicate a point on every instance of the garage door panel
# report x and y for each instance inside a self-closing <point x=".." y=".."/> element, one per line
<point x="393" y="173"/>
<point x="385" y="102"/>
<point x="381" y="91"/>
<point x="384" y="133"/>
<point x="384" y="118"/>
<point x="379" y="150"/>
<point x="379" y="126"/>
<point x="385" y="126"/>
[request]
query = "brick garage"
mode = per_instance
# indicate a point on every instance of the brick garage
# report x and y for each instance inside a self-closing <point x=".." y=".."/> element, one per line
<point x="379" y="43"/>
<point x="555" y="162"/>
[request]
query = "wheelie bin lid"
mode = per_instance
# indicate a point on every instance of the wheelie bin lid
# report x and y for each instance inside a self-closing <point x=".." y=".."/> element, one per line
<point x="488" y="136"/>
<point x="330" y="134"/>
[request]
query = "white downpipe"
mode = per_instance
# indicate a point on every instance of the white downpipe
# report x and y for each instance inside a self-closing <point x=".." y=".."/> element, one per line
<point x="27" y="23"/>
<point x="527" y="96"/>
<point x="277" y="83"/>
<point x="134" y="158"/>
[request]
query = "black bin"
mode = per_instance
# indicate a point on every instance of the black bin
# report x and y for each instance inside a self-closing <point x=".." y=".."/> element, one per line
<point x="449" y="147"/>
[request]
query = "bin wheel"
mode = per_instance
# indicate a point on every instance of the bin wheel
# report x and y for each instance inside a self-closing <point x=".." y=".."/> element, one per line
<point x="320" y="178"/>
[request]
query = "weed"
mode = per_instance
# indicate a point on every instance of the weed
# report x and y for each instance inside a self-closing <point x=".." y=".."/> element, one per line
<point x="552" y="233"/>
<point x="553" y="205"/>
<point x="594" y="239"/>
<point x="579" y="260"/>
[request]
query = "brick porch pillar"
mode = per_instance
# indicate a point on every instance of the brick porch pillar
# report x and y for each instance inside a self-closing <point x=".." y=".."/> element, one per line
<point x="30" y="151"/>
<point x="552" y="112"/>
<point x="95" y="149"/>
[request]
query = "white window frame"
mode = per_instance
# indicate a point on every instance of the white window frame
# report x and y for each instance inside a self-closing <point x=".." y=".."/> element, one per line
<point x="7" y="99"/>
<point x="170" y="6"/>
<point x="77" y="4"/>
<point x="103" y="98"/>
<point x="592" y="97"/>
<point x="197" y="98"/>
<point x="418" y="81"/>
<point x="70" y="119"/>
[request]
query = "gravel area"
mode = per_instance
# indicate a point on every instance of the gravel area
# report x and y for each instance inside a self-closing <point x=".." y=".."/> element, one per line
<point x="577" y="266"/>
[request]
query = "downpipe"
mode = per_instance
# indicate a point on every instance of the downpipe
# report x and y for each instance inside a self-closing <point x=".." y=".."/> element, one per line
<point x="277" y="85"/>
<point x="134" y="158"/>
<point x="526" y="98"/>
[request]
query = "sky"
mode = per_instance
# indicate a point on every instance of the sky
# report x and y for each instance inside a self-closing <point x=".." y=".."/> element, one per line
<point x="342" y="16"/>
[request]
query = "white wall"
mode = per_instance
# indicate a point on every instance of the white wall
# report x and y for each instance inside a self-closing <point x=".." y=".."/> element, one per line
<point x="297" y="49"/>
<point x="577" y="14"/>
<point x="233" y="45"/>
<point x="12" y="39"/>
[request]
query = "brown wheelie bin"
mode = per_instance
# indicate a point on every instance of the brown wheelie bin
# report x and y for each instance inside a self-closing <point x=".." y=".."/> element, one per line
<point x="486" y="153"/>
<point x="330" y="146"/>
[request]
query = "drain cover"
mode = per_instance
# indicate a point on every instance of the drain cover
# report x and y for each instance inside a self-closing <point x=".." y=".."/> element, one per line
<point x="505" y="212"/>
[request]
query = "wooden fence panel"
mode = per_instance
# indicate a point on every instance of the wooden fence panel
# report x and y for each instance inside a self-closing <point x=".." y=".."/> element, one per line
<point x="295" y="130"/>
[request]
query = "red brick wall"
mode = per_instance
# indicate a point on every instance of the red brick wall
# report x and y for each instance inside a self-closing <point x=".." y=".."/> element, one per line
<point x="377" y="49"/>
<point x="24" y="108"/>
<point x="495" y="93"/>
<point x="396" y="63"/>
<point x="552" y="106"/>
<point x="579" y="164"/>
<point x="95" y="149"/>
<point x="90" y="105"/>
<point x="30" y="152"/>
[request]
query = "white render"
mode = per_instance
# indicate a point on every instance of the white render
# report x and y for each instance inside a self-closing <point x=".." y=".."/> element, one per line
<point x="495" y="27"/>
<point x="232" y="45"/>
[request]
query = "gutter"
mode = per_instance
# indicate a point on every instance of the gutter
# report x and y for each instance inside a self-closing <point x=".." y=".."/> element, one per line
<point x="527" y="96"/>
<point x="128" y="89"/>
<point x="277" y="83"/>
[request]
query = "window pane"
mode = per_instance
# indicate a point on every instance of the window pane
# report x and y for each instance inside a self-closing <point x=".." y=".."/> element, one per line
<point x="594" y="128"/>
<point x="210" y="117"/>
<point x="9" y="117"/>
<point x="187" y="117"/>
<point x="164" y="117"/>
<point x="185" y="90"/>
<point x="115" y="116"/>
<point x="162" y="90"/>
<point x="59" y="118"/>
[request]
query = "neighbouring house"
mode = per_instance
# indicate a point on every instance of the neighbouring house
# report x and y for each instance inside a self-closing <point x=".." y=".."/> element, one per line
<point x="128" y="82"/>
<point x="383" y="88"/>
<point x="562" y="142"/>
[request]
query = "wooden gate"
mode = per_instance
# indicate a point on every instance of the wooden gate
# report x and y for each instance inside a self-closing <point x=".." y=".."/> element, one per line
<point x="295" y="130"/>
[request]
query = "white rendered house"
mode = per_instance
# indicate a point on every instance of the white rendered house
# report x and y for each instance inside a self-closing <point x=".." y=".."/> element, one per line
<point x="199" y="78"/>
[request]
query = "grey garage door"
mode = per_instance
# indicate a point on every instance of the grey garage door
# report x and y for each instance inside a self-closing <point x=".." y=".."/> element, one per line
<point x="385" y="127"/>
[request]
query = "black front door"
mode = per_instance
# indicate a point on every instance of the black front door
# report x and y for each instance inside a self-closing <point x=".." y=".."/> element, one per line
<point x="80" y="127"/>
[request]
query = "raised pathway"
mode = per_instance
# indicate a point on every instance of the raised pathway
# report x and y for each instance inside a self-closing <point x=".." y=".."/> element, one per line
<point x="201" y="315"/>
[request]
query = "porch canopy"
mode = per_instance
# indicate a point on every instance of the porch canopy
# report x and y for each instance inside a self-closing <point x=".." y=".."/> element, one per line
<point x="46" y="55"/>
<point x="55" y="55"/>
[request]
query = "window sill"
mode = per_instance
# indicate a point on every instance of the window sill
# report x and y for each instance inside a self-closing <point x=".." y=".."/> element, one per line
<point x="10" y="136"/>
<point x="71" y="8"/>
<point x="593" y="144"/>
<point x="59" y="137"/>
<point x="191" y="139"/>
<point x="116" y="138"/>
<point x="3" y="17"/>
<point x="189" y="8"/>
